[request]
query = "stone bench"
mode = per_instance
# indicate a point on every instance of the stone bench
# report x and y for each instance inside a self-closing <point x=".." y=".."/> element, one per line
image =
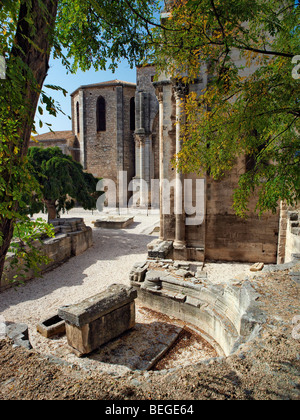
<point x="99" y="319"/>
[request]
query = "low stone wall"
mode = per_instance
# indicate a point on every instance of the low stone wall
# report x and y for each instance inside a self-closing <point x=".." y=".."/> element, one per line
<point x="225" y="315"/>
<point x="72" y="238"/>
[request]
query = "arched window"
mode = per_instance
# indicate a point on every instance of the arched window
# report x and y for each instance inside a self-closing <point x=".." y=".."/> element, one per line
<point x="132" y="114"/>
<point x="78" y="117"/>
<point x="101" y="114"/>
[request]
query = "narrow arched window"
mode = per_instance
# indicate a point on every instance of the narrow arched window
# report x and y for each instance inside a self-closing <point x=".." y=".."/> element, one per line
<point x="101" y="114"/>
<point x="78" y="117"/>
<point x="132" y="114"/>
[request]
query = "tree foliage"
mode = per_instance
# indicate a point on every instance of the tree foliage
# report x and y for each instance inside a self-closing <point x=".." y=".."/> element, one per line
<point x="26" y="247"/>
<point x="112" y="32"/>
<point x="250" y="106"/>
<point x="62" y="180"/>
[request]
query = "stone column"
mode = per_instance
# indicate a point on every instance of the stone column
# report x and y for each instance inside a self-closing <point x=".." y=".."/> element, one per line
<point x="142" y="157"/>
<point x="143" y="143"/>
<point x="142" y="171"/>
<point x="180" y="237"/>
<point x="160" y="97"/>
<point x="137" y="157"/>
<point x="147" y="163"/>
<point x="282" y="233"/>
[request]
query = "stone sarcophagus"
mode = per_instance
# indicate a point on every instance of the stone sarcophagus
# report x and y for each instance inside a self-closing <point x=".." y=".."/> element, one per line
<point x="99" y="319"/>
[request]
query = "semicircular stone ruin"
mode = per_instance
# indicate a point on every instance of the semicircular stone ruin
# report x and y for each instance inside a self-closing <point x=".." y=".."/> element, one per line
<point x="225" y="315"/>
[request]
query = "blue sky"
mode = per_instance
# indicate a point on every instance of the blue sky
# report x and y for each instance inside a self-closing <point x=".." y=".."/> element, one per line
<point x="58" y="76"/>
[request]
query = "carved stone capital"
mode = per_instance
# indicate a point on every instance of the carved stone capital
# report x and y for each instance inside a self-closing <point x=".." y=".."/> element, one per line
<point x="181" y="89"/>
<point x="140" y="139"/>
<point x="159" y="91"/>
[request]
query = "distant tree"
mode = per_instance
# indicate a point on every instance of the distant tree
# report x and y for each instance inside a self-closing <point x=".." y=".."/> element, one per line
<point x="62" y="180"/>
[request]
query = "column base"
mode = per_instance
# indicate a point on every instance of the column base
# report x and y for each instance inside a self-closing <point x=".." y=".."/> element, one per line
<point x="180" y="253"/>
<point x="179" y="245"/>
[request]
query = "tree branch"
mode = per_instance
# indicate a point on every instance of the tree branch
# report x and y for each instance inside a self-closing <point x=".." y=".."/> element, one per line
<point x="149" y="22"/>
<point x="266" y="52"/>
<point x="218" y="19"/>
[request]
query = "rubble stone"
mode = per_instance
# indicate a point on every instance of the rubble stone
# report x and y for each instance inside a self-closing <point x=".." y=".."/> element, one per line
<point x="257" y="267"/>
<point x="139" y="271"/>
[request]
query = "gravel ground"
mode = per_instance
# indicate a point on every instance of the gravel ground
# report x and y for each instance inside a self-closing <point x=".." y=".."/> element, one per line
<point x="268" y="369"/>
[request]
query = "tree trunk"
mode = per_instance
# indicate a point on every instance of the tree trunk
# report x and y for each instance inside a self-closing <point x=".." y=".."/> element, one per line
<point x="51" y="208"/>
<point x="7" y="229"/>
<point x="32" y="45"/>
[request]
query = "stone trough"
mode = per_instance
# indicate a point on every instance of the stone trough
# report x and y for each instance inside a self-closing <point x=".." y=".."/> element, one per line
<point x="51" y="327"/>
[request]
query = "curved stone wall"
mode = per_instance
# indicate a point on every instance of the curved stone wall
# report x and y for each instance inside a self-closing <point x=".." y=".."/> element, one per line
<point x="225" y="315"/>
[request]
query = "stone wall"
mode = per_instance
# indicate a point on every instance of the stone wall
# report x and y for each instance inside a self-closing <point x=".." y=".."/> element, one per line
<point x="72" y="238"/>
<point x="222" y="235"/>
<point x="65" y="140"/>
<point x="289" y="233"/>
<point x="231" y="238"/>
<point x="145" y="79"/>
<point x="78" y="124"/>
<point x="292" y="246"/>
<point x="105" y="153"/>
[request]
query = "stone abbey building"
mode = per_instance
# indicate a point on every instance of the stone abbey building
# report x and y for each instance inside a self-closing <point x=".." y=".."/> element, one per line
<point x="116" y="126"/>
<point x="135" y="129"/>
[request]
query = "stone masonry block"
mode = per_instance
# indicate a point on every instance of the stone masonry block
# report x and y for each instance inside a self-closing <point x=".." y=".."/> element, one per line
<point x="52" y="326"/>
<point x="139" y="271"/>
<point x="113" y="222"/>
<point x="99" y="319"/>
<point x="160" y="249"/>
